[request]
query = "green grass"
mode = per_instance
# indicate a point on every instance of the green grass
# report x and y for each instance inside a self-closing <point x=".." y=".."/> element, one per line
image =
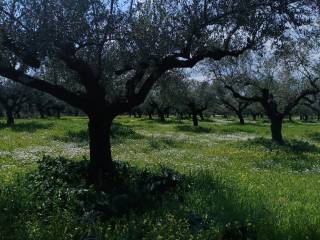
<point x="237" y="183"/>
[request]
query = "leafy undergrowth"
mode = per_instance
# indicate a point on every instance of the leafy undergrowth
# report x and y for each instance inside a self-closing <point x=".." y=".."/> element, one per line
<point x="55" y="201"/>
<point x="38" y="203"/>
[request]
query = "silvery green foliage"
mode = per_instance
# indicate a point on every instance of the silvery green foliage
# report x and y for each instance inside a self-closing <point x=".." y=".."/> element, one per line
<point x="285" y="76"/>
<point x="118" y="44"/>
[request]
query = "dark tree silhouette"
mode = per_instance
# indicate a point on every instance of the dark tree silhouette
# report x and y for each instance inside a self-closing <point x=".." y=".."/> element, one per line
<point x="12" y="98"/>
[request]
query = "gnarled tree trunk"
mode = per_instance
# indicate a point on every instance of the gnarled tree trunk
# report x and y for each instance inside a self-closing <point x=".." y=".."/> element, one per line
<point x="195" y="119"/>
<point x="254" y="117"/>
<point x="10" y="118"/>
<point x="161" y="116"/>
<point x="241" y="119"/>
<point x="100" y="149"/>
<point x="276" y="129"/>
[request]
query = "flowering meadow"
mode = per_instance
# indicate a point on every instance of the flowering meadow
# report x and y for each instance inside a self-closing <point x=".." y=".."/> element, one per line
<point x="231" y="181"/>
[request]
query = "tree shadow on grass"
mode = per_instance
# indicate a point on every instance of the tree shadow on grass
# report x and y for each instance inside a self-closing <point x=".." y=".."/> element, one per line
<point x="294" y="155"/>
<point x="164" y="142"/>
<point x="243" y="213"/>
<point x="225" y="205"/>
<point x="228" y="129"/>
<point x="30" y="127"/>
<point x="60" y="186"/>
<point x="119" y="133"/>
<point x="202" y="200"/>
<point x="290" y="146"/>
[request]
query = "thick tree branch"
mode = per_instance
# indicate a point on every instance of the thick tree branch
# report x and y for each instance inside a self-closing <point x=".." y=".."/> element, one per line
<point x="60" y="92"/>
<point x="87" y="76"/>
<point x="301" y="96"/>
<point x="245" y="98"/>
<point x="174" y="61"/>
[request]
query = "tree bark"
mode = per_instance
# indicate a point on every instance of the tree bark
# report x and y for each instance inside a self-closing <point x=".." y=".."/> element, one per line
<point x="276" y="130"/>
<point x="254" y="117"/>
<point x="100" y="150"/>
<point x="241" y="119"/>
<point x="150" y="116"/>
<point x="195" y="120"/>
<point x="162" y="117"/>
<point x="10" y="118"/>
<point x="41" y="112"/>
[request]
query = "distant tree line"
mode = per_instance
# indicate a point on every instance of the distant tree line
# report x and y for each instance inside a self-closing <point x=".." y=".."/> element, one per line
<point x="18" y="101"/>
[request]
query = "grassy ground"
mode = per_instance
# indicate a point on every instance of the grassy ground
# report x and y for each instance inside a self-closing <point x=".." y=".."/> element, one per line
<point x="238" y="185"/>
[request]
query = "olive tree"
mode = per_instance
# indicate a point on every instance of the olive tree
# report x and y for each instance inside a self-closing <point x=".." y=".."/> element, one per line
<point x="224" y="97"/>
<point x="164" y="94"/>
<point x="103" y="57"/>
<point x="196" y="96"/>
<point x="12" y="99"/>
<point x="277" y="83"/>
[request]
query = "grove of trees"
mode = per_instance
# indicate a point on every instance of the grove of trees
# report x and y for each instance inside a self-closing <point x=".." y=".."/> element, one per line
<point x="106" y="58"/>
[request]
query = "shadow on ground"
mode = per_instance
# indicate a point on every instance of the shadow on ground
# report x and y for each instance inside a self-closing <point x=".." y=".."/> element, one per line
<point x="290" y="146"/>
<point x="294" y="155"/>
<point x="119" y="133"/>
<point x="201" y="202"/>
<point x="31" y="126"/>
<point x="228" y="129"/>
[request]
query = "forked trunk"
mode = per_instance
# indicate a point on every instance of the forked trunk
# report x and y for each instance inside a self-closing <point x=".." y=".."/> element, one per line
<point x="276" y="130"/>
<point x="101" y="163"/>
